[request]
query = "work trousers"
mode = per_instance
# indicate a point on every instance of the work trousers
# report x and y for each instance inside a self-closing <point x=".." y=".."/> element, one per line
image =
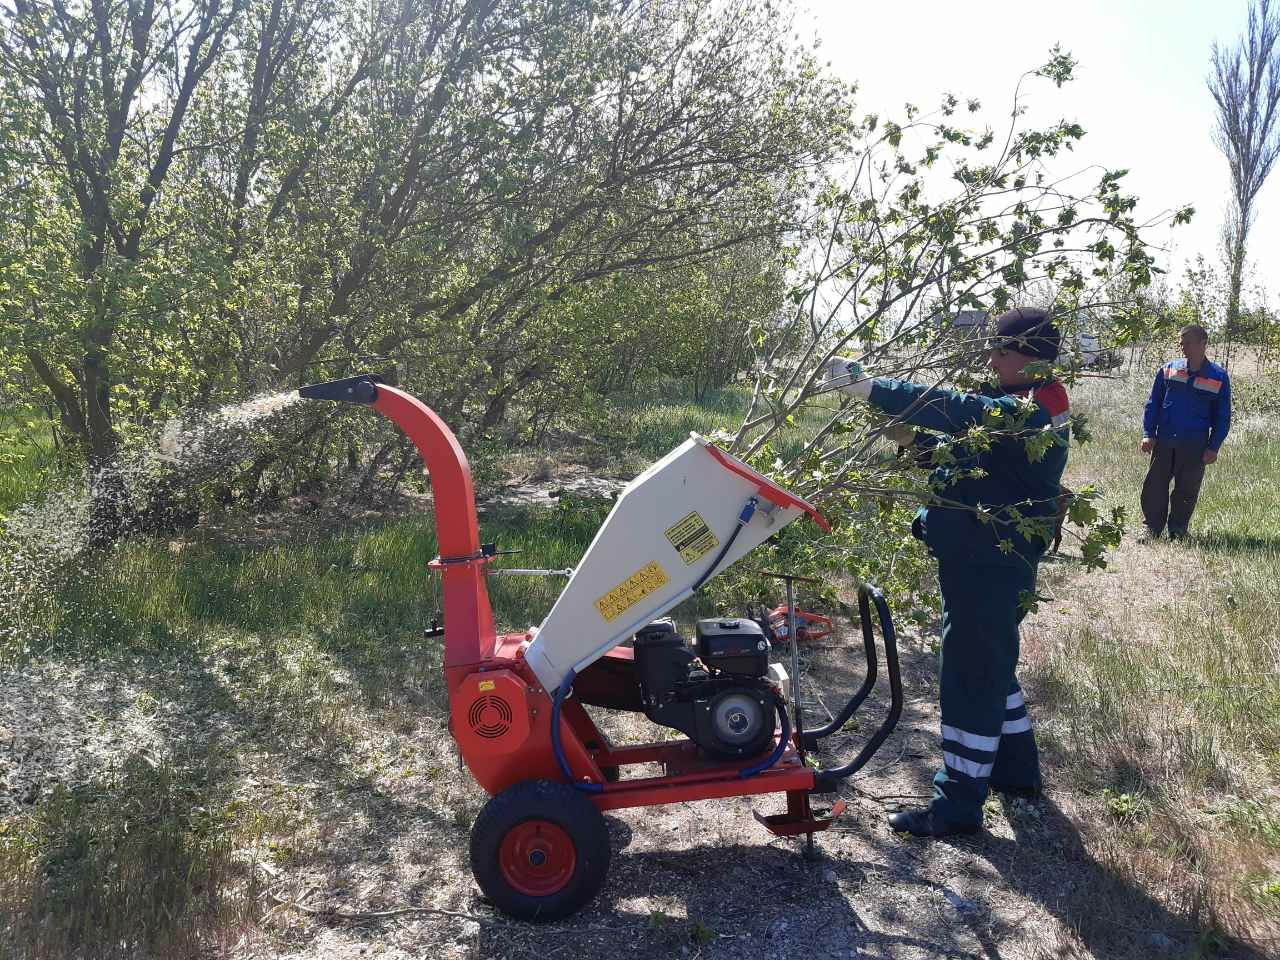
<point x="1183" y="463"/>
<point x="986" y="733"/>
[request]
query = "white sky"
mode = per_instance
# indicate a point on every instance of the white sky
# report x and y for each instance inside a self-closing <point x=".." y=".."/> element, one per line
<point x="1139" y="91"/>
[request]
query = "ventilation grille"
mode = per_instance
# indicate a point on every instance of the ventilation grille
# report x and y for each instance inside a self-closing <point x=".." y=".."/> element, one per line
<point x="489" y="717"/>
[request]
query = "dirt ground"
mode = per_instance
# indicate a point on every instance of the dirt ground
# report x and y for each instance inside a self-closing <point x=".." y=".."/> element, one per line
<point x="381" y="827"/>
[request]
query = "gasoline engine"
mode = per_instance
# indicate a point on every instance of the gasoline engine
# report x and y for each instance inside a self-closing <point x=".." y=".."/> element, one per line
<point x="718" y="693"/>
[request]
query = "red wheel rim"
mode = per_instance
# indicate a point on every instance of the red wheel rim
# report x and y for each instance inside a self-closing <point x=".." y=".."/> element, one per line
<point x="537" y="858"/>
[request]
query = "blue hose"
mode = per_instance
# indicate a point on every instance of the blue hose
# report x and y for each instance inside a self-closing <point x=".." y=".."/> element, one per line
<point x="565" y="688"/>
<point x="779" y="750"/>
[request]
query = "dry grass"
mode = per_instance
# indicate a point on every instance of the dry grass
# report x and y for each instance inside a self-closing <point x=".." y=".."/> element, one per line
<point x="240" y="726"/>
<point x="1159" y="679"/>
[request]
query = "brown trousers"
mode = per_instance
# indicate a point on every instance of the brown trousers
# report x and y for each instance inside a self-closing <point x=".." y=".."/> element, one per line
<point x="1183" y="463"/>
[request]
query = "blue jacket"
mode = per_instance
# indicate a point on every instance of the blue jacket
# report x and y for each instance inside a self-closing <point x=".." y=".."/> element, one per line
<point x="1193" y="407"/>
<point x="1017" y="490"/>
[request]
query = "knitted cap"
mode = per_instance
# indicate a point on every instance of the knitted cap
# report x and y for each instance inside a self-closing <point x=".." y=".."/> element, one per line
<point x="1028" y="331"/>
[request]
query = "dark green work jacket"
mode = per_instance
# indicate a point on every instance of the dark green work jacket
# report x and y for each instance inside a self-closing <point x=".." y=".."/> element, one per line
<point x="1004" y="498"/>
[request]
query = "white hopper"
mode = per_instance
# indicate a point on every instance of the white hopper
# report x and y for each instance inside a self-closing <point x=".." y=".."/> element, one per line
<point x="667" y="528"/>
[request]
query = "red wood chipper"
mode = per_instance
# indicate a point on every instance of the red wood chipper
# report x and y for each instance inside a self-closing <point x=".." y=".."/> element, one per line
<point x="539" y="847"/>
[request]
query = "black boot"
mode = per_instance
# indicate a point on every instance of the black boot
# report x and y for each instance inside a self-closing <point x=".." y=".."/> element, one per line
<point x="922" y="823"/>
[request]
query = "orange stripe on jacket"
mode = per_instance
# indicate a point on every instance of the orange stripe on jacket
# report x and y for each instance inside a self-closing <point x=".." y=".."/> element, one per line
<point x="1208" y="383"/>
<point x="1053" y="398"/>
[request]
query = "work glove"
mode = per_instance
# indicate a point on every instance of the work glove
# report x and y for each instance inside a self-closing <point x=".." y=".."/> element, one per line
<point x="904" y="435"/>
<point x="841" y="373"/>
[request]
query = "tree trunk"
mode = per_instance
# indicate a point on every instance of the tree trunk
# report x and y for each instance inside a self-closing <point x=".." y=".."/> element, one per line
<point x="1233" y="294"/>
<point x="363" y="490"/>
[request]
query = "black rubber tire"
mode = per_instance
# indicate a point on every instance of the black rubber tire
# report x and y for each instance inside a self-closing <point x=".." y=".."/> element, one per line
<point x="560" y="805"/>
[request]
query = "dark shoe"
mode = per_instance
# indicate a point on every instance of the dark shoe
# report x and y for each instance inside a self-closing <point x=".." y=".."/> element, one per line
<point x="922" y="823"/>
<point x="1148" y="535"/>
<point x="1177" y="534"/>
<point x="1023" y="793"/>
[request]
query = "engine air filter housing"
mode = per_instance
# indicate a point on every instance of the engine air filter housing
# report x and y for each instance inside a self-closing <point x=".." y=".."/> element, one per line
<point x="733" y="645"/>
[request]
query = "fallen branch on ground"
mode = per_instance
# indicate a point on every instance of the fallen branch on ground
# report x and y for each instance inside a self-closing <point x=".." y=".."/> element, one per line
<point x="333" y="913"/>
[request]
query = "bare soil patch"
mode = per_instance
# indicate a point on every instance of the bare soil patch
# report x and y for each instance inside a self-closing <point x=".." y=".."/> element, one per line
<point x="379" y="822"/>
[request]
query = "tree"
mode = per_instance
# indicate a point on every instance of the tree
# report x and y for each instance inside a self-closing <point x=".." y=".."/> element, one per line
<point x="114" y="84"/>
<point x="898" y="248"/>
<point x="220" y="196"/>
<point x="1245" y="85"/>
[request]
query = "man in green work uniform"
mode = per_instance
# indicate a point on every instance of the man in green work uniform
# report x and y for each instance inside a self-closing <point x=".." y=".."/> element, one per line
<point x="990" y="520"/>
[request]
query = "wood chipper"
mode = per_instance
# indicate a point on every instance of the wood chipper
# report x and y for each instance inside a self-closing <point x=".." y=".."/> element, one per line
<point x="539" y="847"/>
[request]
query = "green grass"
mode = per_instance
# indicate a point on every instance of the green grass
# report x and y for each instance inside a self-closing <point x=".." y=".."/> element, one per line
<point x="313" y="642"/>
<point x="1165" y="685"/>
<point x="353" y="589"/>
<point x="28" y="457"/>
<point x="138" y="862"/>
<point x="648" y="427"/>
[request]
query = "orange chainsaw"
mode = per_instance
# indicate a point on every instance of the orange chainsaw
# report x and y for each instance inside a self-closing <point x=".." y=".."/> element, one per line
<point x="809" y="626"/>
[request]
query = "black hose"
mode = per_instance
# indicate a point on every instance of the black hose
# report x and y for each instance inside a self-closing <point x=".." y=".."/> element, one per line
<point x="811" y="737"/>
<point x="743" y="519"/>
<point x="827" y="781"/>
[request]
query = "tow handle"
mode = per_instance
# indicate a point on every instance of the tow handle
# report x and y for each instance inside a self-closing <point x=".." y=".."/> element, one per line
<point x="828" y="781"/>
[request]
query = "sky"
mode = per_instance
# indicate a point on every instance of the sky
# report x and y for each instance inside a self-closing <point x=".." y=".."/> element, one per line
<point x="1139" y="91"/>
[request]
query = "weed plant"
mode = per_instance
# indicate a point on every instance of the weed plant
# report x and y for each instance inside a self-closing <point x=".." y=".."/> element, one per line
<point x="137" y="863"/>
<point x="29" y="458"/>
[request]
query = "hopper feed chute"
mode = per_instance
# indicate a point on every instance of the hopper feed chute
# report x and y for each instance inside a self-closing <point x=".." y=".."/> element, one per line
<point x="668" y="531"/>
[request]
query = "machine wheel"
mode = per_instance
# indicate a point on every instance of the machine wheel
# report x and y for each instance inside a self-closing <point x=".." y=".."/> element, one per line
<point x="539" y="850"/>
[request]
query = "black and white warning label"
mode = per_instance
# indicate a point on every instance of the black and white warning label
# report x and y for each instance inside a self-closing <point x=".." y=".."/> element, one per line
<point x="692" y="538"/>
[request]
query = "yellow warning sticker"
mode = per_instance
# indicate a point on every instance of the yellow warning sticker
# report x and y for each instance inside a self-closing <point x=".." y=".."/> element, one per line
<point x="632" y="590"/>
<point x="486" y="685"/>
<point x="692" y="538"/>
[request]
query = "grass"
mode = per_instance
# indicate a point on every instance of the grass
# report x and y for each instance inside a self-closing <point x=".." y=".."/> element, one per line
<point x="138" y="862"/>
<point x="1159" y="696"/>
<point x="641" y="428"/>
<point x="313" y="644"/>
<point x="1164" y="679"/>
<point x="352" y="589"/>
<point x="27" y="455"/>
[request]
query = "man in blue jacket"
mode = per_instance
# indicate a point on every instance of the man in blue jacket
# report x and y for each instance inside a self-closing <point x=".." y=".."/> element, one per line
<point x="992" y="515"/>
<point x="1187" y="417"/>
